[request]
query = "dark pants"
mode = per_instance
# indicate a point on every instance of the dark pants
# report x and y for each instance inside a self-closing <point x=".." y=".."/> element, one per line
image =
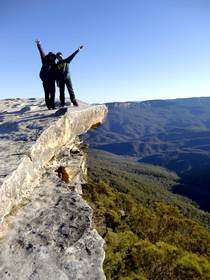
<point x="68" y="84"/>
<point x="49" y="90"/>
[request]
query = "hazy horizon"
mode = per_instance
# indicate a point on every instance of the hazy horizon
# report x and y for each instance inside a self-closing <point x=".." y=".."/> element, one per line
<point x="114" y="101"/>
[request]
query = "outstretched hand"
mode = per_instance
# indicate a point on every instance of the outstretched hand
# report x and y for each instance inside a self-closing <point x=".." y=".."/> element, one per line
<point x="81" y="47"/>
<point x="38" y="42"/>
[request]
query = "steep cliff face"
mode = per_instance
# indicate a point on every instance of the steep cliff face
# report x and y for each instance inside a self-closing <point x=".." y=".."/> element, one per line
<point x="45" y="224"/>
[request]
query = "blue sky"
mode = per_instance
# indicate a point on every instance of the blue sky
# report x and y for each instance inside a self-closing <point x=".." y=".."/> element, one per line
<point x="134" y="50"/>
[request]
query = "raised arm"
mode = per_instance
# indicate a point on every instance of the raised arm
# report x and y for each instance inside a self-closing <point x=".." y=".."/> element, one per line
<point x="41" y="51"/>
<point x="69" y="58"/>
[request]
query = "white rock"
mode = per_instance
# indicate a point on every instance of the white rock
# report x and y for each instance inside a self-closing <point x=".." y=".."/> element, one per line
<point x="46" y="228"/>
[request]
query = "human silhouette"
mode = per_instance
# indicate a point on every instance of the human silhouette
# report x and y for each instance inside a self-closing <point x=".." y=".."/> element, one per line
<point x="48" y="75"/>
<point x="64" y="78"/>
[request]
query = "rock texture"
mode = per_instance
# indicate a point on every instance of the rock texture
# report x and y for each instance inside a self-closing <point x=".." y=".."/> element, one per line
<point x="45" y="223"/>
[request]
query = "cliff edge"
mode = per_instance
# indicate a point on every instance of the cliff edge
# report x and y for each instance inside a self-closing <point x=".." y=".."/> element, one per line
<point x="46" y="230"/>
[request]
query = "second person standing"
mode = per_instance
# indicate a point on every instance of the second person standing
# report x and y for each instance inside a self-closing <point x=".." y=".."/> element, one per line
<point x="64" y="78"/>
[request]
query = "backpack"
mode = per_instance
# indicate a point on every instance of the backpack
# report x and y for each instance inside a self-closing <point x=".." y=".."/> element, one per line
<point x="48" y="72"/>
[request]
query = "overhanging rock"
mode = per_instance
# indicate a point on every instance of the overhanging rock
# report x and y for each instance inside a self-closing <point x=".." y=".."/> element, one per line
<point x="49" y="234"/>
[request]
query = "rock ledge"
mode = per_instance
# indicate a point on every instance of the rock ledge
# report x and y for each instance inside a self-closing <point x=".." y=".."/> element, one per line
<point x="47" y="223"/>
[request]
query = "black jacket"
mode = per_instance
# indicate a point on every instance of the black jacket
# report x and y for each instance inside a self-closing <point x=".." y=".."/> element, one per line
<point x="49" y="70"/>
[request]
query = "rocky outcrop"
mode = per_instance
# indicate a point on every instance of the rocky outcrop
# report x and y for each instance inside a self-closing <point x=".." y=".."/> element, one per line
<point x="46" y="221"/>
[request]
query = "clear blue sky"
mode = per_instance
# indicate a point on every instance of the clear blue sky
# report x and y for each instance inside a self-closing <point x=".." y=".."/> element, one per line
<point x="134" y="49"/>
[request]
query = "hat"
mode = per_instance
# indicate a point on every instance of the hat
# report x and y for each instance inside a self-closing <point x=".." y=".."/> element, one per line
<point x="51" y="54"/>
<point x="59" y="53"/>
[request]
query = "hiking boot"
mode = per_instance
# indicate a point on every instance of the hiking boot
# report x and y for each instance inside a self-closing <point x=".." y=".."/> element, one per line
<point x="75" y="103"/>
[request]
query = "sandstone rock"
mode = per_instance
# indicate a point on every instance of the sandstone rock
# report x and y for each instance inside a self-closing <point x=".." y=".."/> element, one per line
<point x="20" y="183"/>
<point x="46" y="227"/>
<point x="51" y="237"/>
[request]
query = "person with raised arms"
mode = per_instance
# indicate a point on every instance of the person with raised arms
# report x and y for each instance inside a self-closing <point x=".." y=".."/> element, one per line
<point x="64" y="78"/>
<point x="48" y="75"/>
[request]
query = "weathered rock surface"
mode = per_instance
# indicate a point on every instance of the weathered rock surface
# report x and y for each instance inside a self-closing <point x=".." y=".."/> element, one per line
<point x="46" y="225"/>
<point x="21" y="123"/>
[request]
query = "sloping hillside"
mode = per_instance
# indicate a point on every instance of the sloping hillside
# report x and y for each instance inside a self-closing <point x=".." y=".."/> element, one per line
<point x="147" y="184"/>
<point x="171" y="133"/>
<point x="150" y="233"/>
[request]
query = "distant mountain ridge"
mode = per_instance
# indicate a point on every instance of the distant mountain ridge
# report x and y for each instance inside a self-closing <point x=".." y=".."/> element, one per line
<point x="171" y="133"/>
<point x="192" y="101"/>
